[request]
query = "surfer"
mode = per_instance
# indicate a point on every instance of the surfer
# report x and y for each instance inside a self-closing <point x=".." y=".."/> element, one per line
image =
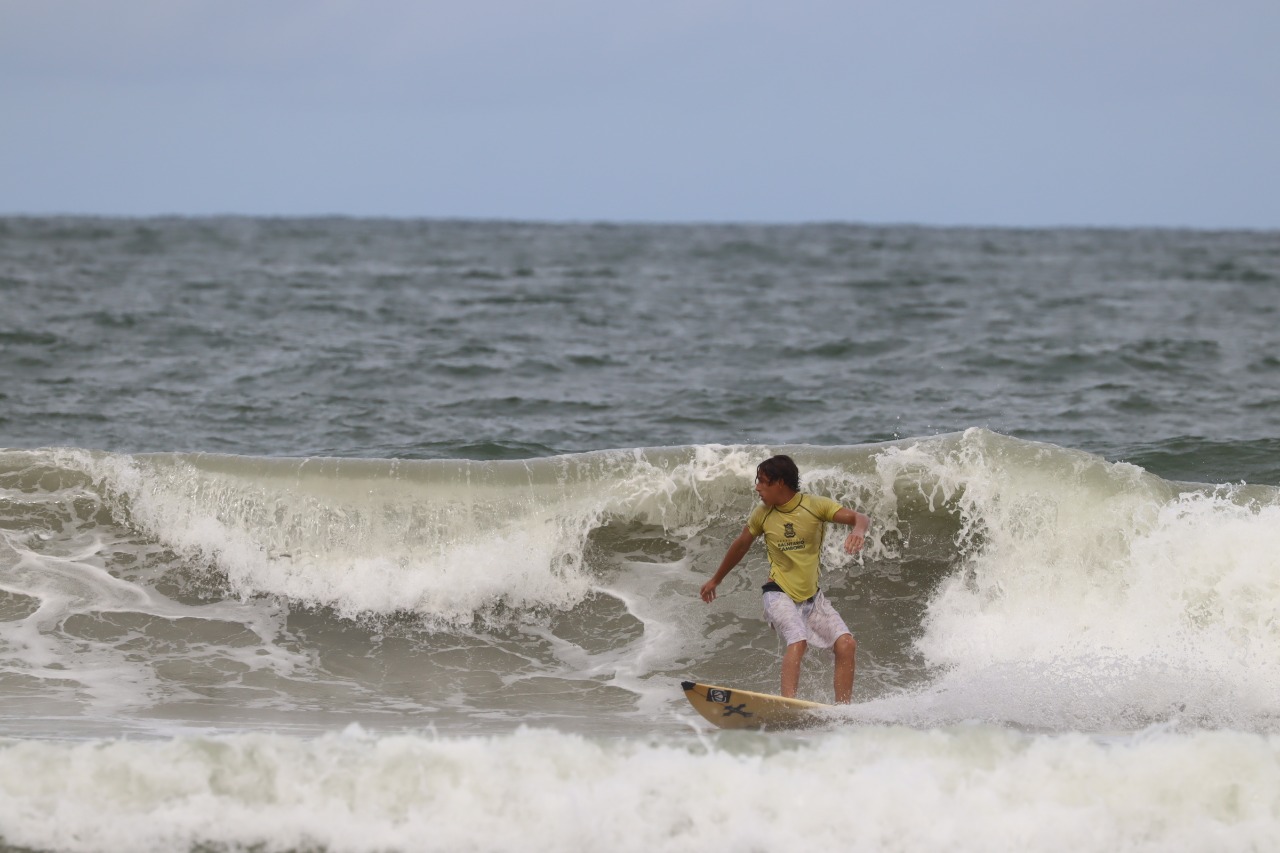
<point x="793" y="523"/>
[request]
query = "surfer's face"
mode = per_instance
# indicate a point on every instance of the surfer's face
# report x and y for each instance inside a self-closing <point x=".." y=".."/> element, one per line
<point x="772" y="492"/>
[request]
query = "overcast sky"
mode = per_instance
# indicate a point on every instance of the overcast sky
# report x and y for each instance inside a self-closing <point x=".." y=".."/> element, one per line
<point x="967" y="112"/>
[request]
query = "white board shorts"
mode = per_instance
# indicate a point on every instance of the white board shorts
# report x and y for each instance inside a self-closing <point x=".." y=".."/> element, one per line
<point x="814" y="621"/>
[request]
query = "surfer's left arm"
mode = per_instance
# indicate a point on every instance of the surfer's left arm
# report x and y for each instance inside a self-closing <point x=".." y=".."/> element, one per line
<point x="859" y="522"/>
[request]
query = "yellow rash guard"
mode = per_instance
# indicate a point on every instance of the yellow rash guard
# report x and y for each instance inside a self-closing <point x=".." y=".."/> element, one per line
<point x="793" y="538"/>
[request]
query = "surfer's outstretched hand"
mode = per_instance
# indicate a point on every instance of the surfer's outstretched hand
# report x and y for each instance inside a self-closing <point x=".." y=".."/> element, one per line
<point x="708" y="592"/>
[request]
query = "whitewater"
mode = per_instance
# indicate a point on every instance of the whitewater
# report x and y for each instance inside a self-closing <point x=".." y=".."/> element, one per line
<point x="255" y="597"/>
<point x="556" y="602"/>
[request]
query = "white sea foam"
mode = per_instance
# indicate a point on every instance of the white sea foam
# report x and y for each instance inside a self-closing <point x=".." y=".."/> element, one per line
<point x="446" y="540"/>
<point x="363" y="537"/>
<point x="1101" y="591"/>
<point x="1070" y="592"/>
<point x="881" y="789"/>
<point x="53" y="570"/>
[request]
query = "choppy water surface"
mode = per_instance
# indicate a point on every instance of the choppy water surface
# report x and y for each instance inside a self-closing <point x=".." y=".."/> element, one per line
<point x="478" y="340"/>
<point x="357" y="535"/>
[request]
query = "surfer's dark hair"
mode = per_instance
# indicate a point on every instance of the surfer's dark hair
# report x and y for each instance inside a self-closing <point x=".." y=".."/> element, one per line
<point x="782" y="468"/>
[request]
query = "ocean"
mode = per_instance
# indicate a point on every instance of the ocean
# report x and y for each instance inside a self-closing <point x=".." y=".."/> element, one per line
<point x="387" y="535"/>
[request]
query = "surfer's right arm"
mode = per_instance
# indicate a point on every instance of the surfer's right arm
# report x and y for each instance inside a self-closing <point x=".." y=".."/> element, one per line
<point x="737" y="550"/>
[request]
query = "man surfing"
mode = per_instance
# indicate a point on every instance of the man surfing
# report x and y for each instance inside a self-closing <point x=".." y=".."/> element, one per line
<point x="793" y="524"/>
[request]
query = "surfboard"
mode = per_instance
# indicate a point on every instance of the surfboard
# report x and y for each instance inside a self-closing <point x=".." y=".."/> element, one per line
<point x="730" y="708"/>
